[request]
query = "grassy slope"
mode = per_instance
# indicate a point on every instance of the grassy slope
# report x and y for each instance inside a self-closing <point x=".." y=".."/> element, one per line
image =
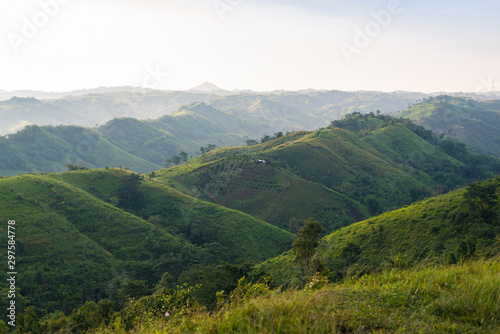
<point x="356" y="167"/>
<point x="66" y="239"/>
<point x="397" y="143"/>
<point x="440" y="299"/>
<point x="473" y="123"/>
<point x="263" y="191"/>
<point x="72" y="243"/>
<point x="90" y="146"/>
<point x="187" y="129"/>
<point x="382" y="170"/>
<point x="428" y="231"/>
<point x="138" y="138"/>
<point x="201" y="223"/>
<point x="52" y="148"/>
<point x="141" y="146"/>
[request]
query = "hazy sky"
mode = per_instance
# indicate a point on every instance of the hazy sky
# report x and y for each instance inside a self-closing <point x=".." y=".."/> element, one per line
<point x="57" y="45"/>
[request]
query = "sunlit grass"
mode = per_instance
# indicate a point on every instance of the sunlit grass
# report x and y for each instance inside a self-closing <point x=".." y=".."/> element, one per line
<point x="440" y="299"/>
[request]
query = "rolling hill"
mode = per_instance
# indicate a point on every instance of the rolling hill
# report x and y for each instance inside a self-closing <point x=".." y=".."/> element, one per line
<point x="446" y="229"/>
<point x="474" y="123"/>
<point x="110" y="233"/>
<point x="334" y="175"/>
<point x="50" y="149"/>
<point x="87" y="235"/>
<point x="141" y="146"/>
<point x="429" y="267"/>
<point x="262" y="190"/>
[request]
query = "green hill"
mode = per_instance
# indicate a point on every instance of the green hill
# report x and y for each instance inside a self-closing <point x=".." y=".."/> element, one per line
<point x="141" y="146"/>
<point x="269" y="193"/>
<point x="39" y="149"/>
<point x="382" y="164"/>
<point x="228" y="233"/>
<point x="75" y="244"/>
<point x="474" y="123"/>
<point x="446" y="229"/>
<point x="430" y="267"/>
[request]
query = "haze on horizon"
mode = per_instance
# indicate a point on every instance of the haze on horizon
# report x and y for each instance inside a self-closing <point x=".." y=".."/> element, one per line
<point x="56" y="45"/>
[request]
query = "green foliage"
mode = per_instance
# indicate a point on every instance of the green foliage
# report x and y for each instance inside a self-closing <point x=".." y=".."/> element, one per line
<point x="75" y="247"/>
<point x="438" y="299"/>
<point x="164" y="305"/>
<point x="73" y="167"/>
<point x="208" y="148"/>
<point x="177" y="159"/>
<point x="482" y="198"/>
<point x="248" y="290"/>
<point x="212" y="279"/>
<point x="4" y="329"/>
<point x="129" y="289"/>
<point x="166" y="281"/>
<point x="437" y="230"/>
<point x="472" y="122"/>
<point x="129" y="196"/>
<point x="28" y="321"/>
<point x="304" y="247"/>
<point x="362" y="124"/>
<point x="251" y="142"/>
<point x="92" y="315"/>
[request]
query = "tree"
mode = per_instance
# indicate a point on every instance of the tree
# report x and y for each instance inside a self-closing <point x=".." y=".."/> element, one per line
<point x="481" y="197"/>
<point x="166" y="281"/>
<point x="207" y="149"/>
<point x="92" y="314"/>
<point x="176" y="159"/>
<point x="251" y="142"/>
<point x="183" y="156"/>
<point x="129" y="196"/>
<point x="73" y="167"/>
<point x="28" y="322"/>
<point x="304" y="247"/>
<point x="264" y="139"/>
<point x="372" y="204"/>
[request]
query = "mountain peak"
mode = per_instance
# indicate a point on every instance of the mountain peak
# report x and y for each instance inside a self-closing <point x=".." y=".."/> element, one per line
<point x="206" y="87"/>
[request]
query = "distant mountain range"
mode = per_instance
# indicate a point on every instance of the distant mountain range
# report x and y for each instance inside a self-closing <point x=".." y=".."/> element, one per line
<point x="233" y="120"/>
<point x="302" y="110"/>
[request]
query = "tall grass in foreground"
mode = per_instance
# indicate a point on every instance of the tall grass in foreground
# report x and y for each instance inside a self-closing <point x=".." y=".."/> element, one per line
<point x="461" y="298"/>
